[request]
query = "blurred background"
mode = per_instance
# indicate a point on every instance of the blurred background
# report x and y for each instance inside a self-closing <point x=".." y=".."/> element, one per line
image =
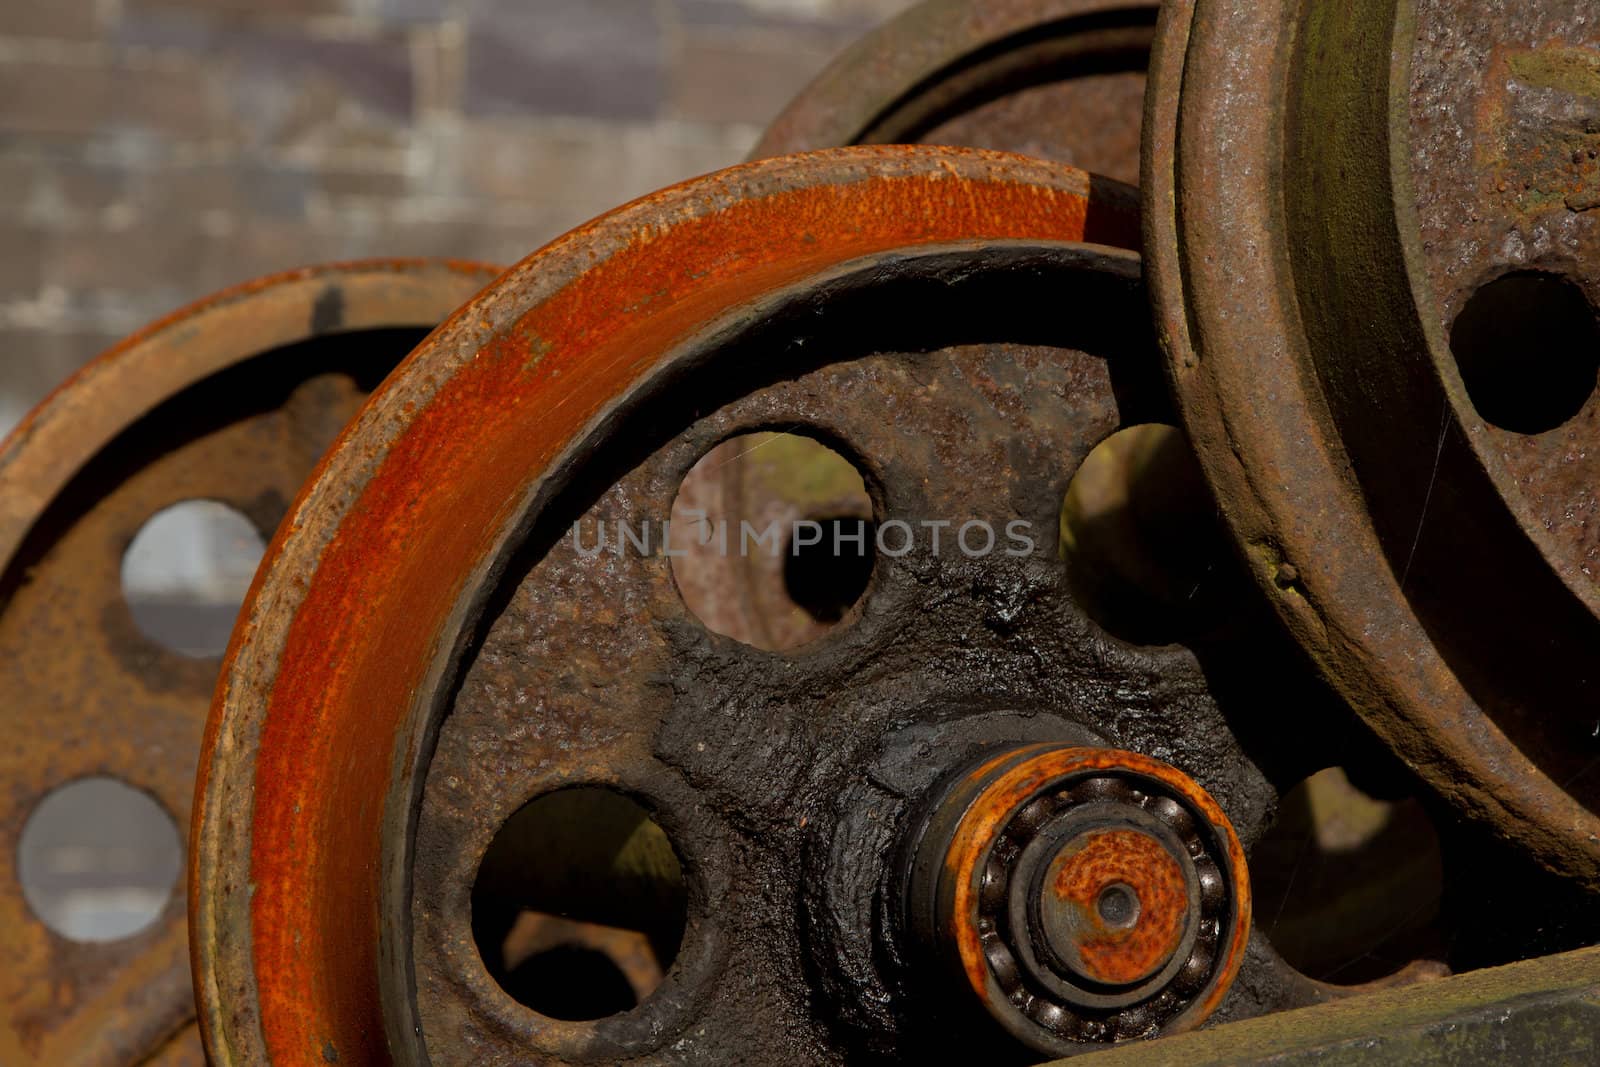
<point x="153" y="151"/>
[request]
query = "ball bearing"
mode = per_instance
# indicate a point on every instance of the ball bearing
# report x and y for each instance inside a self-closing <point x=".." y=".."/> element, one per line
<point x="1085" y="895"/>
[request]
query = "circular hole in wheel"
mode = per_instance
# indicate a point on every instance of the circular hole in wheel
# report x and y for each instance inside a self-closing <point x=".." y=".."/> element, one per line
<point x="828" y="564"/>
<point x="98" y="860"/>
<point x="1347" y="886"/>
<point x="186" y="573"/>
<point x="1528" y="348"/>
<point x="1145" y="555"/>
<point x="579" y="906"/>
<point x="775" y="539"/>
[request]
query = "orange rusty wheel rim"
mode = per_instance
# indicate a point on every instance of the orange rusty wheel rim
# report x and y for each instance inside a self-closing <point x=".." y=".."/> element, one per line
<point x="312" y="748"/>
<point x="96" y="698"/>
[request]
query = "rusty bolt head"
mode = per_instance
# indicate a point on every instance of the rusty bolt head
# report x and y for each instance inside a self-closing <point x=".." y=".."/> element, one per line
<point x="1085" y="895"/>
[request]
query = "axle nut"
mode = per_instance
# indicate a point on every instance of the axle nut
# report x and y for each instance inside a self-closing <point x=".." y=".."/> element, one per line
<point x="1085" y="895"/>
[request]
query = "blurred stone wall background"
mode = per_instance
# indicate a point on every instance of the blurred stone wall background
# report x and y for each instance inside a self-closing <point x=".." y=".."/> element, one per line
<point x="153" y="151"/>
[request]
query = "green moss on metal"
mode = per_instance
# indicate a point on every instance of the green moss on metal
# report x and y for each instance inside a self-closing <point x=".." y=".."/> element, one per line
<point x="1569" y="70"/>
<point x="1544" y="1011"/>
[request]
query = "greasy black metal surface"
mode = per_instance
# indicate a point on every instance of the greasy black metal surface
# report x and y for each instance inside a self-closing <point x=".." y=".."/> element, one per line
<point x="966" y="385"/>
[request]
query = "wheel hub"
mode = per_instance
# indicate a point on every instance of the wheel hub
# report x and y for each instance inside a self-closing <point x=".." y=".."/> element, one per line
<point x="1086" y="895"/>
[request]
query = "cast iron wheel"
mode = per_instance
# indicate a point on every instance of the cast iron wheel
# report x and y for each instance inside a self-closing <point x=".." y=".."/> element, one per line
<point x="445" y="684"/>
<point x="1378" y="294"/>
<point x="1058" y="79"/>
<point x="231" y="400"/>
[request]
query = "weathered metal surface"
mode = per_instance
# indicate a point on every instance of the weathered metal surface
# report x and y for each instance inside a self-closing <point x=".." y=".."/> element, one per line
<point x="1057" y="79"/>
<point x="1544" y="1011"/>
<point x="1310" y="252"/>
<point x="1503" y="142"/>
<point x="1054" y="79"/>
<point x="232" y="399"/>
<point x="483" y="450"/>
<point x="629" y="690"/>
<point x="1086" y="896"/>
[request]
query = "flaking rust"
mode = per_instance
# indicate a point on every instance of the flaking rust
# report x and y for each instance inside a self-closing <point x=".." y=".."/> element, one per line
<point x="1543" y="126"/>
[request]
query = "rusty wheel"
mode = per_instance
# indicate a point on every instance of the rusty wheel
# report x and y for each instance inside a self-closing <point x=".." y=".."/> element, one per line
<point x="1058" y="79"/>
<point x="231" y="400"/>
<point x="607" y="832"/>
<point x="1379" y="297"/>
<point x="502" y="795"/>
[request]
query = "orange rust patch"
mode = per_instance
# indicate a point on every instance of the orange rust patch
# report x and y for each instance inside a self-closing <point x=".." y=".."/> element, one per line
<point x="1122" y="956"/>
<point x="1008" y="793"/>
